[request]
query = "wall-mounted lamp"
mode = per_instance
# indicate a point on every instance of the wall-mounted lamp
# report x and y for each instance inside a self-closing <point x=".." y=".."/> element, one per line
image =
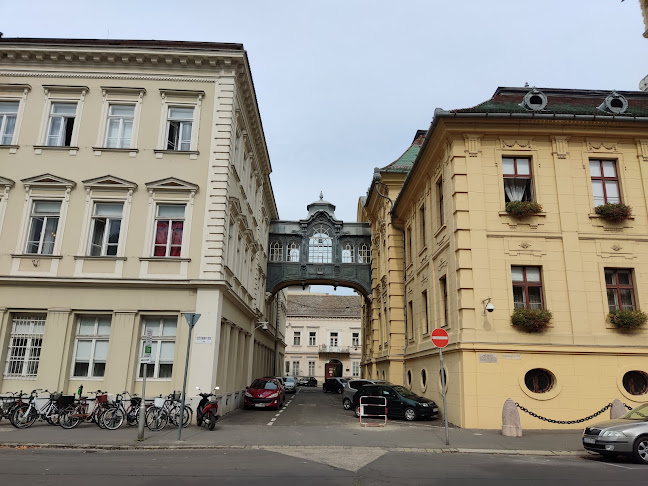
<point x="488" y="305"/>
<point x="262" y="325"/>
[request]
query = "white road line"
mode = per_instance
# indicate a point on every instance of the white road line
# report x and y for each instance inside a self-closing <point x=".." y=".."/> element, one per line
<point x="270" y="423"/>
<point x="619" y="465"/>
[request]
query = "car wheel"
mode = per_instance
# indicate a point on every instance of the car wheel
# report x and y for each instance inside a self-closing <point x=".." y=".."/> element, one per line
<point x="323" y="388"/>
<point x="339" y="390"/>
<point x="640" y="449"/>
<point x="346" y="404"/>
<point x="410" y="414"/>
<point x="357" y="411"/>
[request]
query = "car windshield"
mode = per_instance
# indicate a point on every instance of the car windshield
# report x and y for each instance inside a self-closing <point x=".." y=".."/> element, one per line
<point x="264" y="385"/>
<point x="639" y="413"/>
<point x="289" y="379"/>
<point x="405" y="392"/>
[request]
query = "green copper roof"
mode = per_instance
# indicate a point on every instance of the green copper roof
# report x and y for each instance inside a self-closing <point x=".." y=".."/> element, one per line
<point x="405" y="162"/>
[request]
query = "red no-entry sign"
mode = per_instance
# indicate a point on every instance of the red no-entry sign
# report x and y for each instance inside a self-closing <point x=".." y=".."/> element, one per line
<point x="440" y="338"/>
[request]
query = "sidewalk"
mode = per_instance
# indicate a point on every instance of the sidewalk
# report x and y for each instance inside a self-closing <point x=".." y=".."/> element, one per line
<point x="418" y="437"/>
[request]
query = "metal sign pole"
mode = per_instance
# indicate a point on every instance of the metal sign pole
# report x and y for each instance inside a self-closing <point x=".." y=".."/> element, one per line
<point x="443" y="390"/>
<point x="191" y="320"/>
<point x="146" y="359"/>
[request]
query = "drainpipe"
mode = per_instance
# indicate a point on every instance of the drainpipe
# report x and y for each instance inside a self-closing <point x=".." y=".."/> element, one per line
<point x="377" y="180"/>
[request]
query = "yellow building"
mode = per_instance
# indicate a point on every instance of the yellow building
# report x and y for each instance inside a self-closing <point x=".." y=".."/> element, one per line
<point x="136" y="187"/>
<point x="471" y="264"/>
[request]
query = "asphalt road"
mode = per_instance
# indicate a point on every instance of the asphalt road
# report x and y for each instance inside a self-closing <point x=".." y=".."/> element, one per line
<point x="347" y="467"/>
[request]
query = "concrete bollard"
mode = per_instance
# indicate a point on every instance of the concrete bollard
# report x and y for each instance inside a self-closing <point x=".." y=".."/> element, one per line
<point x="617" y="410"/>
<point x="511" y="420"/>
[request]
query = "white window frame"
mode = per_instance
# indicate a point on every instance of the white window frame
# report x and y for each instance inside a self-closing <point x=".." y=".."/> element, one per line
<point x="4" y="117"/>
<point x="295" y="365"/>
<point x="93" y="338"/>
<point x="62" y="94"/>
<point x="182" y="124"/>
<point x="104" y="242"/>
<point x="181" y="99"/>
<point x="355" y="339"/>
<point x="276" y="251"/>
<point x="47" y="217"/>
<point x="334" y="335"/>
<point x="33" y="346"/>
<point x="122" y="119"/>
<point x="311" y="368"/>
<point x="355" y="368"/>
<point x="312" y="338"/>
<point x="296" y="338"/>
<point x="13" y="98"/>
<point x="364" y="253"/>
<point x="62" y="134"/>
<point x="113" y="95"/>
<point x="169" y="230"/>
<point x="159" y="339"/>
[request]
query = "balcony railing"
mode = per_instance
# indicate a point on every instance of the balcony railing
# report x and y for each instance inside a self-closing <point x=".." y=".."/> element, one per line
<point x="324" y="348"/>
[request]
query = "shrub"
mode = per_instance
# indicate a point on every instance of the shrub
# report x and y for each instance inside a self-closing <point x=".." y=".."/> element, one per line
<point x="614" y="212"/>
<point x="627" y="319"/>
<point x="531" y="320"/>
<point x="522" y="209"/>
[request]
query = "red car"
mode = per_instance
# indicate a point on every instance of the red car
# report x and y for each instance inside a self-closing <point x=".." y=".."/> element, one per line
<point x="265" y="393"/>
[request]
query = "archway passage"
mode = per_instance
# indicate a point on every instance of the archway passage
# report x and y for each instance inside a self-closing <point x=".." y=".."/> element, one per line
<point x="337" y="367"/>
<point x="319" y="250"/>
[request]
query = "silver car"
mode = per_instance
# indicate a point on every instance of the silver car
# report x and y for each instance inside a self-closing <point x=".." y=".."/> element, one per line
<point x="290" y="384"/>
<point x="626" y="436"/>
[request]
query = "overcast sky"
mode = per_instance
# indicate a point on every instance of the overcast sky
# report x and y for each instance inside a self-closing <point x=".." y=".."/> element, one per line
<point x="343" y="85"/>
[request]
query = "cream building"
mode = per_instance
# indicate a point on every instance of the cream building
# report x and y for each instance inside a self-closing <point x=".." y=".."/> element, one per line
<point x="570" y="151"/>
<point x="136" y="187"/>
<point x="323" y="329"/>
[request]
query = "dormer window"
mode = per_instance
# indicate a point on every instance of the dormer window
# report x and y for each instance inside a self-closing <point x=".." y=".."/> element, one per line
<point x="614" y="103"/>
<point x="534" y="100"/>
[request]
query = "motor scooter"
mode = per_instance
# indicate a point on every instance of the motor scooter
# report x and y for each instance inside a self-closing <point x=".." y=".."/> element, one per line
<point x="207" y="411"/>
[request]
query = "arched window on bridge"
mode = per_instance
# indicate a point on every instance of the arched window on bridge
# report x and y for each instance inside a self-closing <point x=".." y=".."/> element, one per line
<point x="320" y="246"/>
<point x="292" y="252"/>
<point x="347" y="253"/>
<point x="364" y="254"/>
<point x="276" y="251"/>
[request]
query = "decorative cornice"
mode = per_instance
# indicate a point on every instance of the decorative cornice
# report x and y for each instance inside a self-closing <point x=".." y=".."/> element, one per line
<point x="144" y="77"/>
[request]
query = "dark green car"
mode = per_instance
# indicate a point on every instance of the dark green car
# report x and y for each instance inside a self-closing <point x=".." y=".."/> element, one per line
<point x="401" y="402"/>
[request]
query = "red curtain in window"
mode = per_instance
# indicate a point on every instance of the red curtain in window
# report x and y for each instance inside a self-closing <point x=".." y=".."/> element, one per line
<point x="176" y="238"/>
<point x="161" y="235"/>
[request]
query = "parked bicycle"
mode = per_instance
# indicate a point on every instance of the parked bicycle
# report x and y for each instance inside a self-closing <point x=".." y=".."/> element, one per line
<point x="81" y="412"/>
<point x="25" y="415"/>
<point x="167" y="410"/>
<point x="9" y="403"/>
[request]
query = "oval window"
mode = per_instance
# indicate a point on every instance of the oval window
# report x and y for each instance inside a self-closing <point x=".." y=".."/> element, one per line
<point x="635" y="382"/>
<point x="423" y="378"/>
<point x="538" y="380"/>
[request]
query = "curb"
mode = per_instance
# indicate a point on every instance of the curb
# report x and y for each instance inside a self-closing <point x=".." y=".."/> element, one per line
<point x="443" y="450"/>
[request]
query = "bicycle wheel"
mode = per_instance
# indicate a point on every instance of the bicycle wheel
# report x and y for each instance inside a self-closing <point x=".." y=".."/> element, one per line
<point x="113" y="418"/>
<point x="23" y="417"/>
<point x="186" y="415"/>
<point x="132" y="415"/>
<point x="69" y="418"/>
<point x="156" y="418"/>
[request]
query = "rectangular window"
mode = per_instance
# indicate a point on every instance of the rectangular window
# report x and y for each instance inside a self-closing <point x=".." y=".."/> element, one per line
<point x="440" y="202"/>
<point x="422" y="225"/>
<point x="43" y="224"/>
<point x="106" y="226"/>
<point x="295" y="368"/>
<point x="287" y="367"/>
<point x="169" y="225"/>
<point x="91" y="346"/>
<point x="334" y="339"/>
<point x="297" y="338"/>
<point x="527" y="288"/>
<point x="25" y="345"/>
<point x="119" y="127"/>
<point x="620" y="291"/>
<point x="410" y="320"/>
<point x="163" y="346"/>
<point x="426" y="317"/>
<point x="517" y="179"/>
<point x="311" y="368"/>
<point x="355" y="339"/>
<point x="61" y="124"/>
<point x="444" y="299"/>
<point x="312" y="338"/>
<point x="355" y="368"/>
<point x="409" y="245"/>
<point x="179" y="126"/>
<point x="605" y="182"/>
<point x="8" y="115"/>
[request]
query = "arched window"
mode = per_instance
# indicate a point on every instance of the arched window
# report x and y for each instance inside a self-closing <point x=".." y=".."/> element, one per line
<point x="292" y="252"/>
<point x="364" y="254"/>
<point x="347" y="253"/>
<point x="276" y="251"/>
<point x="320" y="246"/>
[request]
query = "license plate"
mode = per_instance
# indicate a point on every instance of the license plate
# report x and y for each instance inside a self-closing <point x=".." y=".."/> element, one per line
<point x="260" y="405"/>
<point x="589" y="440"/>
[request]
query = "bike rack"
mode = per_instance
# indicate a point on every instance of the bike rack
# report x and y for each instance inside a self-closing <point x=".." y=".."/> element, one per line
<point x="374" y="403"/>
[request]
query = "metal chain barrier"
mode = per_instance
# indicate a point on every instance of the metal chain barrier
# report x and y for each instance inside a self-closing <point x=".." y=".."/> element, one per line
<point x="568" y="422"/>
